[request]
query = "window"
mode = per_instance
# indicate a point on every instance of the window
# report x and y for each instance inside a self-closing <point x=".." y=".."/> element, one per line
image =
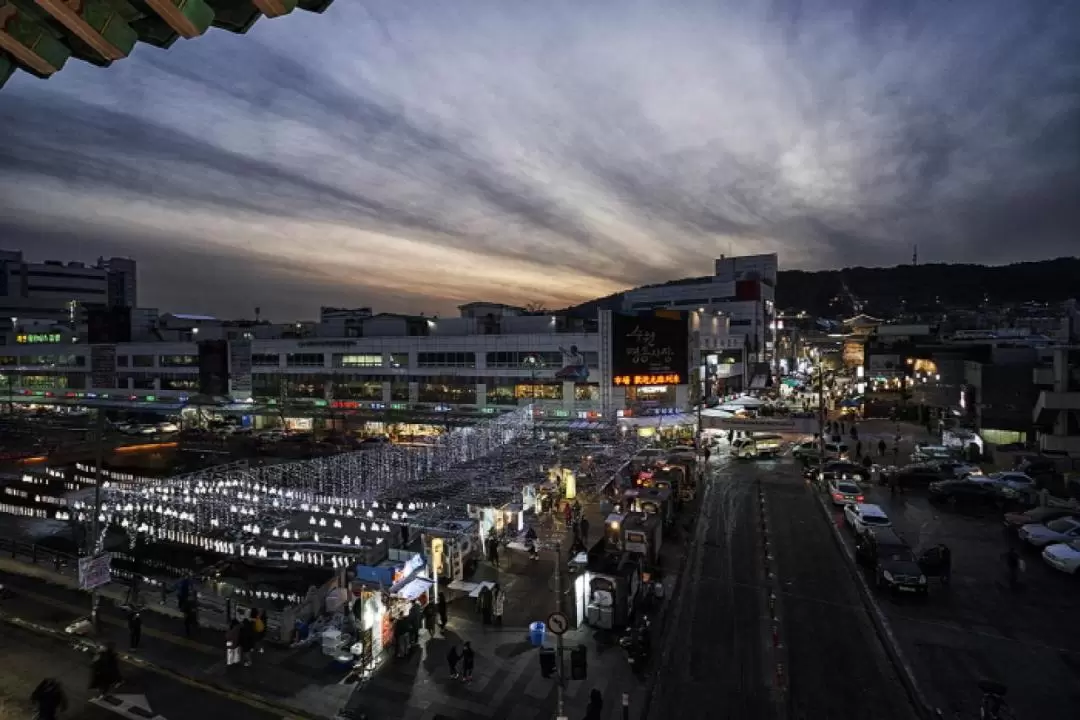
<point x="43" y="382"/>
<point x="305" y="386"/>
<point x="369" y="360"/>
<point x="265" y="359"/>
<point x="447" y="390"/>
<point x="37" y="359"/>
<point x="446" y="359"/>
<point x="740" y="323"/>
<point x="266" y="385"/>
<point x="399" y="360"/>
<point x="178" y="381"/>
<point x="305" y="360"/>
<point x="526" y="359"/>
<point x="9" y="360"/>
<point x="587" y="391"/>
<point x="179" y="360"/>
<point x="538" y="391"/>
<point x="499" y="394"/>
<point x="140" y="381"/>
<point x="358" y="388"/>
<point x="399" y="390"/>
<point x="142" y="361"/>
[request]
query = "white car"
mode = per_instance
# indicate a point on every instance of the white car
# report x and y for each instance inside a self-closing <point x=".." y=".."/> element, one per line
<point x="861" y="517"/>
<point x="809" y="448"/>
<point x="844" y="492"/>
<point x="1062" y="530"/>
<point x="1063" y="556"/>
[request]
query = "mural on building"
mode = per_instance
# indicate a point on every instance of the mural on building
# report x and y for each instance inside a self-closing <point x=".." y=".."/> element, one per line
<point x="575" y="367"/>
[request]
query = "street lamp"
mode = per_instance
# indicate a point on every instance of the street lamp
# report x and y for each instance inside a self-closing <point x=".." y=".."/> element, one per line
<point x="534" y="363"/>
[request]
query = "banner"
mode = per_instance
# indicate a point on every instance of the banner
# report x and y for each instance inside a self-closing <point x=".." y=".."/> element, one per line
<point x="649" y="350"/>
<point x="94" y="572"/>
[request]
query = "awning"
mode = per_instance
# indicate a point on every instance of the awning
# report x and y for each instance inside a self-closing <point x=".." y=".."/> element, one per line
<point x="659" y="420"/>
<point x="413" y="589"/>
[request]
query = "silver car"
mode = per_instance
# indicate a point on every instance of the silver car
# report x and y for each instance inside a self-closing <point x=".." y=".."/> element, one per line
<point x="844" y="492"/>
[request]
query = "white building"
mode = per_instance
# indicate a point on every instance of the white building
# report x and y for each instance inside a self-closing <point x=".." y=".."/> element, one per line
<point x="1057" y="411"/>
<point x="58" y="292"/>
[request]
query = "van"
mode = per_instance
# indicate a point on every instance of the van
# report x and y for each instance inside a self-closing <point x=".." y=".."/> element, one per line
<point x="756" y="446"/>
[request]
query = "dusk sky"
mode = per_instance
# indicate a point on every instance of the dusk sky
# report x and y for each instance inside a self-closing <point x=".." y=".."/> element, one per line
<point x="411" y="155"/>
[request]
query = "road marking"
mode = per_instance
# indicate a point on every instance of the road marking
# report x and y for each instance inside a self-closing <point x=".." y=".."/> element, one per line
<point x="135" y="707"/>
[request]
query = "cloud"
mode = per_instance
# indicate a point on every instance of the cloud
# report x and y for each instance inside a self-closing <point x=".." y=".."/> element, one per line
<point x="418" y="154"/>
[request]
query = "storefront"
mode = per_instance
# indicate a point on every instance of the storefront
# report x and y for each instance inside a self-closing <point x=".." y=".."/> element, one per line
<point x="384" y="597"/>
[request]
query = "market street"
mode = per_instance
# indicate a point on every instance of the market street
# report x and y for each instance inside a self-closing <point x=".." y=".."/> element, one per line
<point x="30" y="657"/>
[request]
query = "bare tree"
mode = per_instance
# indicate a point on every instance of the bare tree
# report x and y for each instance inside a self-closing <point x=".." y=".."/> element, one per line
<point x="536" y="308"/>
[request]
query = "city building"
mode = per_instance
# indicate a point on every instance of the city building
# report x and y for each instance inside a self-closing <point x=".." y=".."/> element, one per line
<point x="58" y="292"/>
<point x="39" y="36"/>
<point x="1057" y="411"/>
<point x="743" y="289"/>
<point x="416" y="370"/>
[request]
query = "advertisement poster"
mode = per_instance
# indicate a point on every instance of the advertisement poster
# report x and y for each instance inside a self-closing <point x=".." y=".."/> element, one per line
<point x="649" y="350"/>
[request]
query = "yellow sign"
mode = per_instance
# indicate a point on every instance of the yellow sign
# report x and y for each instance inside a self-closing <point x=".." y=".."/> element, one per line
<point x="657" y="379"/>
<point x="436" y="555"/>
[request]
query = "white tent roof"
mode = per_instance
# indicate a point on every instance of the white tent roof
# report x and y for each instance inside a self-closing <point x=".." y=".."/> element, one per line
<point x="743" y="402"/>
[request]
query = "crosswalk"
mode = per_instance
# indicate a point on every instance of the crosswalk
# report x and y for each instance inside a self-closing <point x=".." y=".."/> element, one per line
<point x="135" y="707"/>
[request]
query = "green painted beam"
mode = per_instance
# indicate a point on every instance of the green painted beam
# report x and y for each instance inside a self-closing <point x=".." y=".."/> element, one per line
<point x="275" y="8"/>
<point x="30" y="43"/>
<point x="96" y="23"/>
<point x="235" y="16"/>
<point x="189" y="18"/>
<point x="7" y="69"/>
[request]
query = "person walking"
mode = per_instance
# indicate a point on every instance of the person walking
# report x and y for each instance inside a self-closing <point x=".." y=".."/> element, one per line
<point x="595" y="710"/>
<point x="858" y="448"/>
<point x="440" y="605"/>
<point x="49" y="699"/>
<point x="583" y="531"/>
<point x="468" y="660"/>
<point x="1014" y="564"/>
<point x="232" y="643"/>
<point x="134" y="623"/>
<point x="452" y="659"/>
<point x="430" y="619"/>
<point x="485" y="601"/>
<point x="258" y="629"/>
<point x="191" y="617"/>
<point x="881" y="447"/>
<point x="247" y="640"/>
<point x="498" y="598"/>
<point x="105" y="670"/>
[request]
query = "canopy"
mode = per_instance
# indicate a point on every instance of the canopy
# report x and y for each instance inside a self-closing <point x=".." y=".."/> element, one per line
<point x="744" y="402"/>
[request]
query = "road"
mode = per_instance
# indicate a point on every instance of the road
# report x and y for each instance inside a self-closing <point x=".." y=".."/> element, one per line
<point x="718" y="659"/>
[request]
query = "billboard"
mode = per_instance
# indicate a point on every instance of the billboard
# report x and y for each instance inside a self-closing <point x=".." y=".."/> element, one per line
<point x="649" y="350"/>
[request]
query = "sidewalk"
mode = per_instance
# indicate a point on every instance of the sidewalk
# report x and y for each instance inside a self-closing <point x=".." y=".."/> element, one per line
<point x="300" y="680"/>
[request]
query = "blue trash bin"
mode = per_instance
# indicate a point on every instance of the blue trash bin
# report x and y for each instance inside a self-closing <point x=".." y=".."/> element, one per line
<point x="537" y="630"/>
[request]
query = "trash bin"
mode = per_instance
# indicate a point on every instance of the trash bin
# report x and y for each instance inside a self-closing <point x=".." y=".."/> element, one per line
<point x="537" y="630"/>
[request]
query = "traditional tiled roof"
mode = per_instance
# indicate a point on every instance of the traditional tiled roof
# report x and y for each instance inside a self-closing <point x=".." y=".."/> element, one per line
<point x="39" y="36"/>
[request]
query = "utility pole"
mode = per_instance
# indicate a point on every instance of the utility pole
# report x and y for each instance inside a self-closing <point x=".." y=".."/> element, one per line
<point x="92" y="541"/>
<point x="560" y="672"/>
<point x="821" y="408"/>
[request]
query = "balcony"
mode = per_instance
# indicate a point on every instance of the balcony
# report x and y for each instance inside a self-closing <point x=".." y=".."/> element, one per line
<point x="1051" y="403"/>
<point x="1069" y="444"/>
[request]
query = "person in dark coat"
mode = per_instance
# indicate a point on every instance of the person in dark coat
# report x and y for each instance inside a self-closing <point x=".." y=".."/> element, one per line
<point x="49" y="699"/>
<point x="440" y="605"/>
<point x="468" y="660"/>
<point x="486" y="604"/>
<point x="596" y="705"/>
<point x="191" y="618"/>
<point x="452" y="659"/>
<point x="247" y="640"/>
<point x="430" y="616"/>
<point x="881" y="447"/>
<point x="134" y="628"/>
<point x="105" y="670"/>
<point x="583" y="531"/>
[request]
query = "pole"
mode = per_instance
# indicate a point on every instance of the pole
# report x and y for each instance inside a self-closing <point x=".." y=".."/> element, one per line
<point x="560" y="677"/>
<point x="821" y="409"/>
<point x="92" y="541"/>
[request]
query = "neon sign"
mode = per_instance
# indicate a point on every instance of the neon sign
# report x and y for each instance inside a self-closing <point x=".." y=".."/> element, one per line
<point x="37" y="338"/>
<point x="651" y="379"/>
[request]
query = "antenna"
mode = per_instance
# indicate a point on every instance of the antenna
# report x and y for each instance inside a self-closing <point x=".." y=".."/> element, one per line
<point x="915" y="255"/>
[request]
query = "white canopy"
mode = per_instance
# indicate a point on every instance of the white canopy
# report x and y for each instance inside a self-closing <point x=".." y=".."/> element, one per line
<point x="743" y="402"/>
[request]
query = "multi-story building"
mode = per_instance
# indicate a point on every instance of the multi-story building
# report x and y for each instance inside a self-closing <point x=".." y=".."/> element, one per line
<point x="57" y="292"/>
<point x="414" y="368"/>
<point x="1057" y="411"/>
<point x="743" y="289"/>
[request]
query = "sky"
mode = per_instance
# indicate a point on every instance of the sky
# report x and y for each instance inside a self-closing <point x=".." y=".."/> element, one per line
<point x="412" y="155"/>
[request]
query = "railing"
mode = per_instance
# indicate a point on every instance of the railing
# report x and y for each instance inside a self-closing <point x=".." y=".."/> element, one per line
<point x="59" y="561"/>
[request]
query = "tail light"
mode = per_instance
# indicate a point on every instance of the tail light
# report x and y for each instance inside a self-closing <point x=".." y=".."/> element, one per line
<point x="838" y="496"/>
<point x="859" y="498"/>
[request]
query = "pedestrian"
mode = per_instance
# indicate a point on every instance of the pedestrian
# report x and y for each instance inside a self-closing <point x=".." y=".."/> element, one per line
<point x="440" y="605"/>
<point x="232" y="643"/>
<point x="494" y="552"/>
<point x="247" y="640"/>
<point x="708" y="454"/>
<point x="415" y="620"/>
<point x="568" y="514"/>
<point x="946" y="563"/>
<point x="452" y="659"/>
<point x="583" y="531"/>
<point x="498" y="604"/>
<point x="468" y="659"/>
<point x="430" y="616"/>
<point x="881" y="447"/>
<point x="183" y="591"/>
<point x="858" y="449"/>
<point x="485" y="603"/>
<point x="1015" y="565"/>
<point x="258" y="629"/>
<point x="105" y="670"/>
<point x="134" y="623"/>
<point x="595" y="710"/>
<point x="49" y="699"/>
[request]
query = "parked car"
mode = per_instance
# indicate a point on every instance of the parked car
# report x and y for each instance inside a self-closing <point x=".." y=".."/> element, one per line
<point x="862" y="516"/>
<point x="965" y="492"/>
<point x="1062" y="530"/>
<point x="1063" y="556"/>
<point x="955" y="469"/>
<point x="1035" y="516"/>
<point x="920" y="474"/>
<point x="1011" y="484"/>
<point x="844" y="492"/>
<point x="836" y="451"/>
<point x="894" y="564"/>
<point x="846" y="470"/>
<point x="806" y="448"/>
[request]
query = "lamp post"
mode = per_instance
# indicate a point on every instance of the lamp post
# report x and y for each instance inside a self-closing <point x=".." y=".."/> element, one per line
<point x="534" y="364"/>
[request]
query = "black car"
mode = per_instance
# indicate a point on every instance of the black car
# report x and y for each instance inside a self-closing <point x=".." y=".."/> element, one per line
<point x="965" y="492"/>
<point x="842" y="470"/>
<point x="918" y="475"/>
<point x="892" y="561"/>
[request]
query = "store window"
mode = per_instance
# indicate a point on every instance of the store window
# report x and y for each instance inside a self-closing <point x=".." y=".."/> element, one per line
<point x="142" y="361"/>
<point x="544" y="359"/>
<point x="305" y="360"/>
<point x="8" y="360"/>
<point x="265" y="359"/>
<point x="178" y="360"/>
<point x="177" y="381"/>
<point x="139" y="381"/>
<point x="447" y="390"/>
<point x="446" y="359"/>
<point x="500" y="394"/>
<point x="358" y="389"/>
<point x="43" y="382"/>
<point x="305" y="386"/>
<point x="37" y="360"/>
<point x="370" y="360"/>
<point x="266" y="385"/>
<point x="399" y="390"/>
<point x="123" y="360"/>
<point x="587" y="391"/>
<point x="399" y="360"/>
<point x="539" y="390"/>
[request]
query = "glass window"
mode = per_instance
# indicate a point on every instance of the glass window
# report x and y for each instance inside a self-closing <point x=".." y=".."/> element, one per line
<point x="179" y="360"/>
<point x="587" y="391"/>
<point x="446" y="359"/>
<point x="539" y="390"/>
<point x="143" y="361"/>
<point x="305" y="360"/>
<point x="358" y="388"/>
<point x="543" y="359"/>
<point x="8" y="360"/>
<point x="499" y="394"/>
<point x="399" y="360"/>
<point x="399" y="390"/>
<point x="123" y="360"/>
<point x="265" y="359"/>
<point x="177" y="381"/>
<point x="447" y="390"/>
<point x="305" y="386"/>
<point x="370" y="360"/>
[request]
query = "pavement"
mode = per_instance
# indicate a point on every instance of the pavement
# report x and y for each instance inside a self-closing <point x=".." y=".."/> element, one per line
<point x="978" y="628"/>
<point x="30" y="657"/>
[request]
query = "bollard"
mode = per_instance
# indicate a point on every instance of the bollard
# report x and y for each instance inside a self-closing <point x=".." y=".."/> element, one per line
<point x="775" y="635"/>
<point x="780" y="675"/>
<point x="626" y="706"/>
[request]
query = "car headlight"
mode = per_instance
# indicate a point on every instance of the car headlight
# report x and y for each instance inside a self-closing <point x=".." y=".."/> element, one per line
<point x="887" y="575"/>
<point x="922" y="579"/>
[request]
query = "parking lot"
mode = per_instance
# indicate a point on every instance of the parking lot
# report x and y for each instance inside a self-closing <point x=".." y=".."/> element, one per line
<point x="978" y="627"/>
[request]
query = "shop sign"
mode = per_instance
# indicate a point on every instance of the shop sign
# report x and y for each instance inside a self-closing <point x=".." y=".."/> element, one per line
<point x="754" y="424"/>
<point x="408" y="568"/>
<point x="649" y="346"/>
<point x="37" y="338"/>
<point x="640" y="380"/>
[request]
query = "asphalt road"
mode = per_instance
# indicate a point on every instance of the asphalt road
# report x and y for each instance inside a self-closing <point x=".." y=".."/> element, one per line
<point x="29" y="657"/>
<point x="713" y="663"/>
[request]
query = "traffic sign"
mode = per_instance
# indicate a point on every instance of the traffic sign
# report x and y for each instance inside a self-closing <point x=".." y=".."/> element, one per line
<point x="557" y="623"/>
<point x="94" y="572"/>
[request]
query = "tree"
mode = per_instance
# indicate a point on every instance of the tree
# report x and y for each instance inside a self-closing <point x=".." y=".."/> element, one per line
<point x="536" y="308"/>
